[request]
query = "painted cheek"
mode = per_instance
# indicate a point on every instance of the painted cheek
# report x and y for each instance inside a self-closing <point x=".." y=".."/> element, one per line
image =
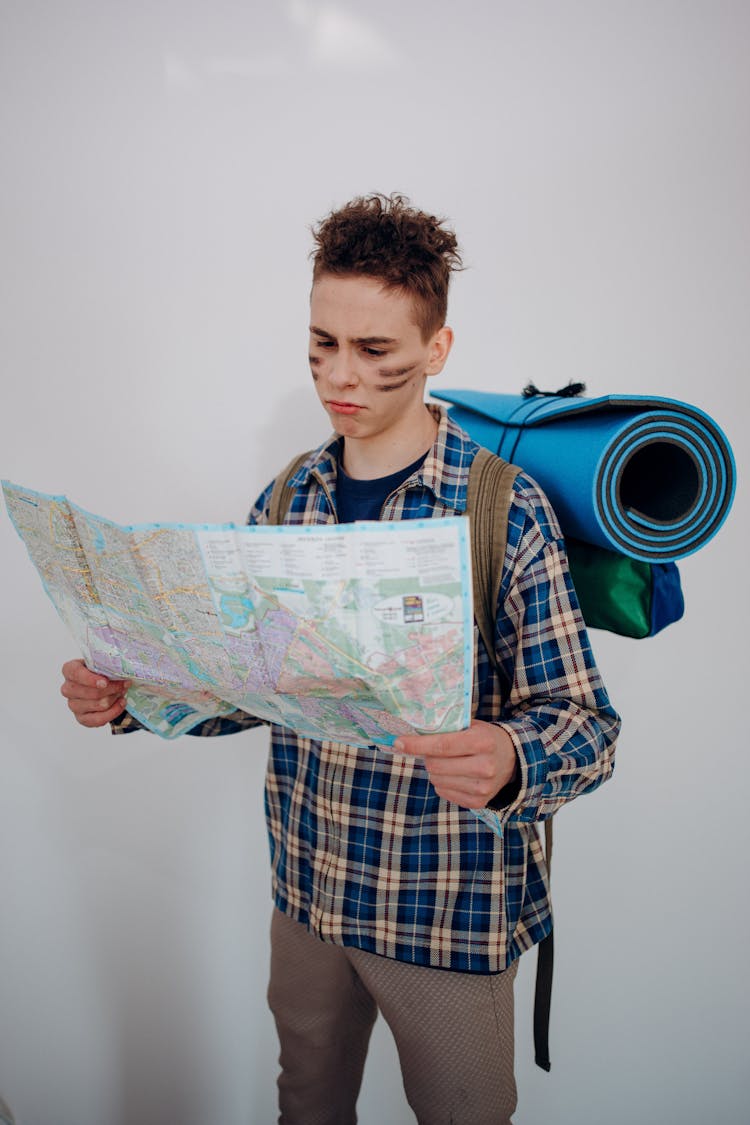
<point x="394" y="386"/>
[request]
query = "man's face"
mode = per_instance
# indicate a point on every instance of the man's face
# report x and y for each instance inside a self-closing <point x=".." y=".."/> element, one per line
<point x="367" y="356"/>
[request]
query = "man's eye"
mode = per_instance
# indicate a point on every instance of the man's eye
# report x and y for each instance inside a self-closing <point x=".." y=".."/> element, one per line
<point x="326" y="344"/>
<point x="374" y="351"/>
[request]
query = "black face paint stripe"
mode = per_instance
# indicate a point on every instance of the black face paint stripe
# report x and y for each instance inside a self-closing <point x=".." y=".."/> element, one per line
<point x="396" y="373"/>
<point x="392" y="386"/>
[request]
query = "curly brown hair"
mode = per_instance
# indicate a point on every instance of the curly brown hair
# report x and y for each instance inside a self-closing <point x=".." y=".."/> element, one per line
<point x="384" y="237"/>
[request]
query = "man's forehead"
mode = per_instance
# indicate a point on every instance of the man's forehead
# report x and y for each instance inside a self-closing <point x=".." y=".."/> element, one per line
<point x="363" y="304"/>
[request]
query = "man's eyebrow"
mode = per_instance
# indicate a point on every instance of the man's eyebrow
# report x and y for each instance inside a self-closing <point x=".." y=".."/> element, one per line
<point x="369" y="341"/>
<point x="374" y="340"/>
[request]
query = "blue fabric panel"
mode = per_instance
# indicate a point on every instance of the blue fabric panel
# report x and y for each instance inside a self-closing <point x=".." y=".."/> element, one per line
<point x="667" y="601"/>
<point x="651" y="478"/>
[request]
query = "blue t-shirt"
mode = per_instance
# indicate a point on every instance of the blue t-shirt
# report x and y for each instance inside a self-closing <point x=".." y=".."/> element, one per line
<point x="364" y="499"/>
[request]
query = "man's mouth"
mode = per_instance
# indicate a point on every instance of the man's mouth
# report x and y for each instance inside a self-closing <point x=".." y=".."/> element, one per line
<point x="343" y="407"/>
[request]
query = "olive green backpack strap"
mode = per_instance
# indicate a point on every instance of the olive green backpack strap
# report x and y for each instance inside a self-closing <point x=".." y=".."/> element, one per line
<point x="487" y="505"/>
<point x="281" y="493"/>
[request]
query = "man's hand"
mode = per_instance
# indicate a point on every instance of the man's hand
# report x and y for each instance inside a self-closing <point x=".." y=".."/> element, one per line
<point x="93" y="699"/>
<point x="468" y="767"/>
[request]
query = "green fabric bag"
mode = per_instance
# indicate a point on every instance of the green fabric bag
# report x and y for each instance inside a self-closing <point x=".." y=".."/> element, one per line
<point x="623" y="595"/>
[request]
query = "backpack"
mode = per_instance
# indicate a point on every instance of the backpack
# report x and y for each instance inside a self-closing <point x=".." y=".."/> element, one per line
<point x="487" y="504"/>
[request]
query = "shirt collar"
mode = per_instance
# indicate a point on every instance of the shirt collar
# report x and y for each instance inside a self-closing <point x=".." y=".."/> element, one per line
<point x="445" y="469"/>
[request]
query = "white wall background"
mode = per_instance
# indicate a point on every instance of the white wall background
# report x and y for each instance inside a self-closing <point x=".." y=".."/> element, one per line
<point x="161" y="163"/>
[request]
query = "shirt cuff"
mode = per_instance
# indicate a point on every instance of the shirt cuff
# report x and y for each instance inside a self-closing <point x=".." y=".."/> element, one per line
<point x="124" y="724"/>
<point x="509" y="792"/>
<point x="509" y="800"/>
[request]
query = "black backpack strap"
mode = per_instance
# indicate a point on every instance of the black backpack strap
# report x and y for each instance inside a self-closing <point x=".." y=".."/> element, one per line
<point x="281" y="493"/>
<point x="545" y="960"/>
<point x="488" y="503"/>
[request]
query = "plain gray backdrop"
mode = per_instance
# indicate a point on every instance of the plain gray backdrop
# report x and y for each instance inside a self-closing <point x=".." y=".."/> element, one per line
<point x="161" y="164"/>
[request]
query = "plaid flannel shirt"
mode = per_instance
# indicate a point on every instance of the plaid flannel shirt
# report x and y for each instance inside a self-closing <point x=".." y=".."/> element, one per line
<point x="363" y="851"/>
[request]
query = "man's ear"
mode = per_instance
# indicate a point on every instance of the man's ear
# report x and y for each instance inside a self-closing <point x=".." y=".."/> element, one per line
<point x="440" y="345"/>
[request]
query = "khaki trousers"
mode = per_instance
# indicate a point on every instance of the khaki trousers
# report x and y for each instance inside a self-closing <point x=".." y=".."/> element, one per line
<point x="453" y="1032"/>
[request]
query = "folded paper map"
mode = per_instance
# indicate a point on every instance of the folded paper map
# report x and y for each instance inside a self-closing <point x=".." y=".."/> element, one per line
<point x="351" y="632"/>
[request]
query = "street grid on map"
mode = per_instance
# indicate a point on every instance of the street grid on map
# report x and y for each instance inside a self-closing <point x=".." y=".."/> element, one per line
<point x="356" y="633"/>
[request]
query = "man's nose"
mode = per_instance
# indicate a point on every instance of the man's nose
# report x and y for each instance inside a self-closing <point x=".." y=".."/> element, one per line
<point x="343" y="369"/>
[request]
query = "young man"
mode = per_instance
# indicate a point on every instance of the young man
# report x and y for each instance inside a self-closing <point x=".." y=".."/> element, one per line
<point x="391" y="894"/>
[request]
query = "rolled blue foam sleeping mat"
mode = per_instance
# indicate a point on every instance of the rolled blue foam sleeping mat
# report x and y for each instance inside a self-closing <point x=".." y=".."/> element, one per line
<point x="651" y="478"/>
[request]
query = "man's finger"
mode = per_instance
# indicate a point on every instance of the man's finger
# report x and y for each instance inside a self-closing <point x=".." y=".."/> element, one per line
<point x="100" y="719"/>
<point x="435" y="745"/>
<point x="76" y="672"/>
<point x="93" y="706"/>
<point x="471" y="792"/>
<point x="463" y="801"/>
<point x="72" y="690"/>
<point x="461" y="770"/>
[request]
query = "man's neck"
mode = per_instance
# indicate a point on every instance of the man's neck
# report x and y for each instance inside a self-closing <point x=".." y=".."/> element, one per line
<point x="384" y="454"/>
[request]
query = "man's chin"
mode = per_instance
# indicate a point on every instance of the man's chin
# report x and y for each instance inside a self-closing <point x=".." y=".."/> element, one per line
<point x="345" y="425"/>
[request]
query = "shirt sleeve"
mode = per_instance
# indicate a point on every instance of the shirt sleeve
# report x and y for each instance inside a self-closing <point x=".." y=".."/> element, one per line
<point x="549" y="695"/>
<point x="222" y="724"/>
<point x="259" y="510"/>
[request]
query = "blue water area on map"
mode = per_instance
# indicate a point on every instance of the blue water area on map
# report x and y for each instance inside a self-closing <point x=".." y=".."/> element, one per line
<point x="100" y="543"/>
<point x="174" y="713"/>
<point x="235" y="610"/>
<point x="197" y="671"/>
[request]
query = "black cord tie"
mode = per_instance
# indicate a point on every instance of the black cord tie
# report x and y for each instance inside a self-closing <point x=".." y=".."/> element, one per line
<point x="571" y="391"/>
